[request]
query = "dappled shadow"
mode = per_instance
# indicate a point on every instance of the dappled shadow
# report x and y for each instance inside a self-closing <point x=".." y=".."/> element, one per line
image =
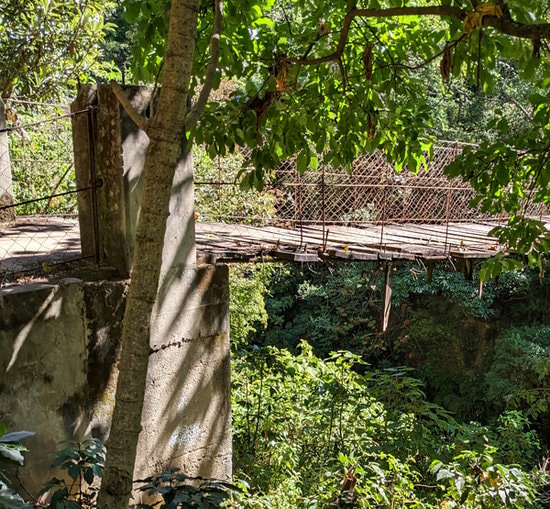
<point x="186" y="417"/>
<point x="43" y="367"/>
<point x="188" y="404"/>
<point x="26" y="243"/>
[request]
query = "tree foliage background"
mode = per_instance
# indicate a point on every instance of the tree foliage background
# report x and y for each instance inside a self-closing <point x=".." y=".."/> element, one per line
<point x="49" y="46"/>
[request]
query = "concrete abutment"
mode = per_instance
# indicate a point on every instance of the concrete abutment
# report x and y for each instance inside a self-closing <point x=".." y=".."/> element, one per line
<point x="59" y="342"/>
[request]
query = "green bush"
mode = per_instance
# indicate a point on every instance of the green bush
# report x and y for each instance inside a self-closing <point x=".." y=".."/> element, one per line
<point x="474" y="479"/>
<point x="247" y="290"/>
<point x="42" y="161"/>
<point x="83" y="463"/>
<point x="334" y="433"/>
<point x="520" y="373"/>
<point x="178" y="490"/>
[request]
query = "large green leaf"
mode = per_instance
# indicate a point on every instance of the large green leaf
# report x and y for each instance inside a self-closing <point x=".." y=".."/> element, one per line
<point x="16" y="436"/>
<point x="9" y="499"/>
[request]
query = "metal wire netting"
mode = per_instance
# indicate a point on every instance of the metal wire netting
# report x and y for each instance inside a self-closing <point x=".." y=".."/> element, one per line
<point x="373" y="193"/>
<point x="38" y="205"/>
<point x="41" y="154"/>
<point x="368" y="213"/>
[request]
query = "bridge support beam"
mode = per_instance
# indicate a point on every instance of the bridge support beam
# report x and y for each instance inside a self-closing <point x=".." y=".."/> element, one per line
<point x="386" y="307"/>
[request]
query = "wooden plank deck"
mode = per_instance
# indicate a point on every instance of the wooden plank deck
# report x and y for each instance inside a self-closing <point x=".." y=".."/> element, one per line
<point x="233" y="243"/>
<point x="28" y="242"/>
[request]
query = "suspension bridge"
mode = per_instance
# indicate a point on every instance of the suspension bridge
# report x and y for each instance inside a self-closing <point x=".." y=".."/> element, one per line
<point x="371" y="213"/>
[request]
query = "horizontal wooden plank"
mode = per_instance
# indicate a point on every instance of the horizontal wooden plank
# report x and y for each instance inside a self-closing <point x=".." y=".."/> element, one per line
<point x="313" y="242"/>
<point x="295" y="256"/>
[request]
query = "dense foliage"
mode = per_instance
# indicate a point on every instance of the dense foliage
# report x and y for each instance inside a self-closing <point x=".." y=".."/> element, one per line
<point x="492" y="376"/>
<point x="336" y="433"/>
<point x="49" y="46"/>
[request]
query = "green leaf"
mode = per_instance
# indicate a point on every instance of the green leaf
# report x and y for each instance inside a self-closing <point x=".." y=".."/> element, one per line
<point x="16" y="436"/>
<point x="314" y="162"/>
<point x="11" y="454"/>
<point x="302" y="161"/>
<point x="74" y="471"/>
<point x="264" y="22"/>
<point x="89" y="475"/>
<point x="256" y="10"/>
<point x="132" y="11"/>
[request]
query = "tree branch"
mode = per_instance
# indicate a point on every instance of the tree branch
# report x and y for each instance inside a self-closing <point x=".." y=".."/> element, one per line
<point x="138" y="119"/>
<point x="344" y="77"/>
<point x="424" y="63"/>
<point x="504" y="25"/>
<point x="520" y="30"/>
<point x="445" y="11"/>
<point x="196" y="111"/>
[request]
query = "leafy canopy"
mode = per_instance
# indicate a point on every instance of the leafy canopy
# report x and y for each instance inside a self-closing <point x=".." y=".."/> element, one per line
<point x="327" y="82"/>
<point x="48" y="45"/>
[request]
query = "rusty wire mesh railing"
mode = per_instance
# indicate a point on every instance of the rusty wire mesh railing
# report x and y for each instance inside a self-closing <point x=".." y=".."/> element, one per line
<point x="372" y="193"/>
<point x="38" y="205"/>
<point x="373" y="196"/>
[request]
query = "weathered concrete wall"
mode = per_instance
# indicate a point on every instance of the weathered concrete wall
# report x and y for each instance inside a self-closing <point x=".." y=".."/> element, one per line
<point x="58" y="349"/>
<point x="52" y="337"/>
<point x="186" y="418"/>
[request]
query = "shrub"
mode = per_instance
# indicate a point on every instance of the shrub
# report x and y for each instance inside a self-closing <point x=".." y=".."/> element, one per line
<point x="334" y="433"/>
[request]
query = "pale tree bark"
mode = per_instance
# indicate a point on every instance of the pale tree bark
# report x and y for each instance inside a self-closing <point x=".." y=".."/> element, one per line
<point x="166" y="132"/>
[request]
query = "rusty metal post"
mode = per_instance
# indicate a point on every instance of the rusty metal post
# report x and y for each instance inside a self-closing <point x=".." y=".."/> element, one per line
<point x="354" y="185"/>
<point x="384" y="198"/>
<point x="323" y="211"/>
<point x="219" y="190"/>
<point x="94" y="181"/>
<point x="298" y="212"/>
<point x="447" y="217"/>
<point x="386" y="308"/>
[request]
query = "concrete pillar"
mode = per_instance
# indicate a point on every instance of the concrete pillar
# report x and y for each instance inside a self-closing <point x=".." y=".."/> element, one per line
<point x="186" y="420"/>
<point x="6" y="188"/>
<point x="111" y="149"/>
<point x="186" y="417"/>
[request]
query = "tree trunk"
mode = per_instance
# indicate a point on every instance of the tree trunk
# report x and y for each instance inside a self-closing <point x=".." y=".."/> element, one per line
<point x="166" y="134"/>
